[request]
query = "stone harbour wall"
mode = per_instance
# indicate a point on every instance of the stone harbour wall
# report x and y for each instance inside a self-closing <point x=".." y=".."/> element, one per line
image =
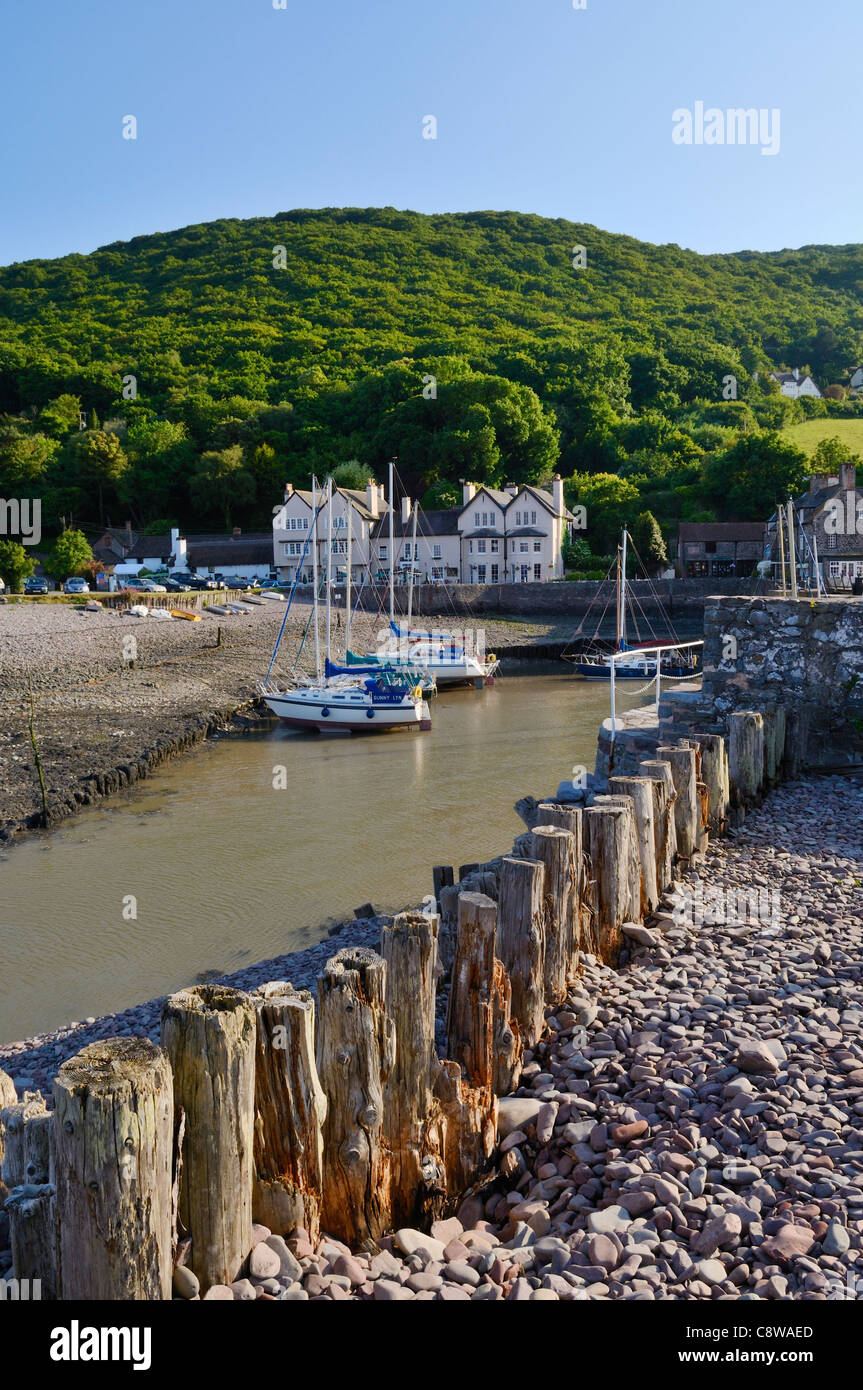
<point x="806" y="655"/>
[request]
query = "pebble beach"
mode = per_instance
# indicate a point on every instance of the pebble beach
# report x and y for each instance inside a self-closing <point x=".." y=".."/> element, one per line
<point x="691" y="1126"/>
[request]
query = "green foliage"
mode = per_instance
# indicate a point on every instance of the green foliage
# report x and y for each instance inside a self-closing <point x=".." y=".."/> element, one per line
<point x="611" y="503"/>
<point x="351" y="474"/>
<point x="70" y="555"/>
<point x="648" y="541"/>
<point x="465" y="344"/>
<point x="15" y="564"/>
<point x="577" y="554"/>
<point x="755" y="473"/>
<point x="830" y="453"/>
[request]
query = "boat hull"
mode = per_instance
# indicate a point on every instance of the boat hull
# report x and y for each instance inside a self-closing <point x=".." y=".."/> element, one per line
<point x="328" y="715"/>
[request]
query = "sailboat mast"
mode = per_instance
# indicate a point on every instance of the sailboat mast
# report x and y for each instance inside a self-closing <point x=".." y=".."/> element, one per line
<point x="315" y="574"/>
<point x="348" y="579"/>
<point x="622" y="642"/>
<point x="413" y="563"/>
<point x="329" y="558"/>
<point x="617" y="593"/>
<point x="392" y="551"/>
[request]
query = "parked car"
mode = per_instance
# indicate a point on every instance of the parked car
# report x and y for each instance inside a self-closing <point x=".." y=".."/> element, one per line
<point x="183" y="578"/>
<point x="173" y="586"/>
<point x="74" y="585"/>
<point x="150" y="587"/>
<point x="34" y="585"/>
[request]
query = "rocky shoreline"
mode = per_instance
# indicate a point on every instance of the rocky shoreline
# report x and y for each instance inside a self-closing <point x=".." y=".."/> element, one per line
<point x="103" y="721"/>
<point x="691" y="1127"/>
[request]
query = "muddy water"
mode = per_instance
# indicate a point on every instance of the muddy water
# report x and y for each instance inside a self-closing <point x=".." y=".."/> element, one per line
<point x="223" y="869"/>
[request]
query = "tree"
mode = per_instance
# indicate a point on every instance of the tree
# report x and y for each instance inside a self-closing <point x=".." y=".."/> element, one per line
<point x="611" y="502"/>
<point x="102" y="461"/>
<point x="577" y="554"/>
<point x="70" y="555"/>
<point x="15" y="564"/>
<point x="830" y="453"/>
<point x="441" y="496"/>
<point x="61" y="416"/>
<point x="351" y="474"/>
<point x="648" y="541"/>
<point x="222" y="484"/>
<point x="747" y="480"/>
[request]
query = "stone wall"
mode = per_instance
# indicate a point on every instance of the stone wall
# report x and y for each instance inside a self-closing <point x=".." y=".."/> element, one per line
<point x="806" y="655"/>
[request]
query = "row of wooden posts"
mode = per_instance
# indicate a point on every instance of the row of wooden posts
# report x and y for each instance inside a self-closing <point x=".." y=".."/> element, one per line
<point x="253" y="1109"/>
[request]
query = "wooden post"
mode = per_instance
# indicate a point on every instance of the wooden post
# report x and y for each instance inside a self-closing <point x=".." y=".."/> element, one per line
<point x="469" y="1017"/>
<point x="570" y="818"/>
<point x="624" y="803"/>
<point x="468" y="1131"/>
<point x="208" y="1032"/>
<point x="8" y="1097"/>
<point x="442" y="877"/>
<point x="448" y="928"/>
<point x="640" y="790"/>
<point x="663" y="818"/>
<point x="27" y="1156"/>
<point x="745" y="755"/>
<point x="555" y="849"/>
<point x="686" y="805"/>
<point x="32" y="1234"/>
<point x="609" y="832"/>
<point x="774" y="741"/>
<point x="521" y="942"/>
<point x="113" y="1139"/>
<point x="409" y="948"/>
<point x="290" y="1108"/>
<point x="507" y="1045"/>
<point x="356" y="1053"/>
<point x="714" y="774"/>
<point x="795" y="747"/>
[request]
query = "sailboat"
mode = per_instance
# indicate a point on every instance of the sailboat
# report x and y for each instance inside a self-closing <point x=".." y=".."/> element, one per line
<point x="439" y="657"/>
<point x="593" y="661"/>
<point x="362" y="703"/>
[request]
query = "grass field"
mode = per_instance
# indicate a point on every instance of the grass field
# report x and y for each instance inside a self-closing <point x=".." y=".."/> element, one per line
<point x="809" y="435"/>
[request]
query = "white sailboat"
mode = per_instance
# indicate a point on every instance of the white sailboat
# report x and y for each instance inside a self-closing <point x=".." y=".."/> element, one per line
<point x="366" y="703"/>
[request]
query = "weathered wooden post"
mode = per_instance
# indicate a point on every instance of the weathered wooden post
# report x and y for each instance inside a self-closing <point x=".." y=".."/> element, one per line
<point x="467" y="1128"/>
<point x="208" y="1032"/>
<point x="356" y="1053"/>
<point x="469" y="1016"/>
<point x="290" y="1108"/>
<point x="409" y="948"/>
<point x="624" y="803"/>
<point x="745" y="755"/>
<point x="113" y="1141"/>
<point x="521" y="942"/>
<point x="714" y="774"/>
<point x="686" y="804"/>
<point x="8" y="1097"/>
<point x="795" y="746"/>
<point x="609" y="835"/>
<point x="442" y="877"/>
<point x="774" y="741"/>
<point x="507" y="1045"/>
<point x="570" y="818"/>
<point x="555" y="849"/>
<point x="448" y="928"/>
<point x="640" y="790"/>
<point x="32" y="1234"/>
<point x="663" y="818"/>
<point x="26" y="1125"/>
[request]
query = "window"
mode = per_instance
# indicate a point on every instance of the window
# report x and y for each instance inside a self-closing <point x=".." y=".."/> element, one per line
<point x="339" y="548"/>
<point x="533" y="518"/>
<point x="523" y="547"/>
<point x="495" y="547"/>
<point x="495" y="574"/>
<point x="492" y="520"/>
<point x="340" y="523"/>
<point x="435" y="552"/>
<point x="525" y="570"/>
<point x="485" y="518"/>
<point x="481" y="547"/>
<point x="407" y="550"/>
<point x="480" y="574"/>
<point x="710" y="547"/>
<point x="437" y="571"/>
<point x="383" y="552"/>
<point x="470" y="547"/>
<point x="518" y="518"/>
<point x="476" y="520"/>
<point x="832" y="540"/>
<point x="537" y="571"/>
<point x="537" y="545"/>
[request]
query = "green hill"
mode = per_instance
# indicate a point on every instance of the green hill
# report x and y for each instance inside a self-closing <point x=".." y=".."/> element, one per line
<point x="266" y="348"/>
<point x="810" y="433"/>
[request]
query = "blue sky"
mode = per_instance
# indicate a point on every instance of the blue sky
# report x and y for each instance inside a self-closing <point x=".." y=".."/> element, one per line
<point x="244" y="110"/>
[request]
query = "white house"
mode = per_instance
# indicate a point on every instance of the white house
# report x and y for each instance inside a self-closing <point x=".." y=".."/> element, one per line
<point x="855" y="385"/>
<point x="794" y="385"/>
<point x="292" y="526"/>
<point x="438" y="545"/>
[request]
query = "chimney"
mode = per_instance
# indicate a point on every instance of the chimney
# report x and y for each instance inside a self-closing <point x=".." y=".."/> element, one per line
<point x="557" y="492"/>
<point x="236" y="532"/>
<point x="795" y="372"/>
<point x="289" y="491"/>
<point x="468" y="493"/>
<point x="372" y="497"/>
<point x="406" y="510"/>
<point x="817" y="481"/>
<point x="512" y="489"/>
<point x="848" y="477"/>
<point x="178" y="548"/>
